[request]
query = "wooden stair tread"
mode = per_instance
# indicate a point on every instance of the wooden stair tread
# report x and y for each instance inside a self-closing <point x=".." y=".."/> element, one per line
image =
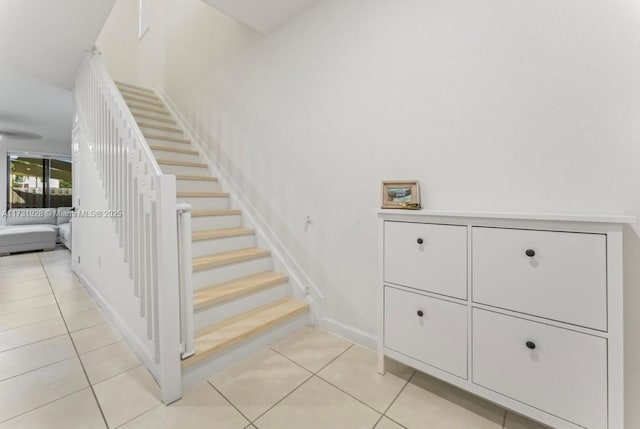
<point x="166" y="138"/>
<point x="136" y="87"/>
<point x="159" y="127"/>
<point x="202" y="194"/>
<point x="134" y="92"/>
<point x="196" y="178"/>
<point x="174" y="149"/>
<point x="225" y="258"/>
<point x="181" y="163"/>
<point x="137" y="99"/>
<point x="215" y="212"/>
<point x="165" y="119"/>
<point x="210" y="234"/>
<point x="237" y="288"/>
<point x="224" y="334"/>
<point x="133" y="105"/>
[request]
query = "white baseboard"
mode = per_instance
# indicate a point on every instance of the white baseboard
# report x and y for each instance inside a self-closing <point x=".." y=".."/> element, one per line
<point x="297" y="275"/>
<point x="123" y="328"/>
<point x="351" y="333"/>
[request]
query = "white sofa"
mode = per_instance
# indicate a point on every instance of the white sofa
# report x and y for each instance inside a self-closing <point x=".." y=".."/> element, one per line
<point x="35" y="229"/>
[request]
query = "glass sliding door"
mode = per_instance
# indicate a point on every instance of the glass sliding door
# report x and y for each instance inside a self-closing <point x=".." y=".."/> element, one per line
<point x="39" y="182"/>
<point x="60" y="183"/>
<point x="27" y="182"/>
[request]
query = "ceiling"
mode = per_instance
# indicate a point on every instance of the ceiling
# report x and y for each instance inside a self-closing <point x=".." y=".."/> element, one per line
<point x="262" y="15"/>
<point x="41" y="44"/>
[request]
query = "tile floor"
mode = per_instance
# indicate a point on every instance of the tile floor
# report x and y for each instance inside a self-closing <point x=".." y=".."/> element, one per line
<point x="62" y="365"/>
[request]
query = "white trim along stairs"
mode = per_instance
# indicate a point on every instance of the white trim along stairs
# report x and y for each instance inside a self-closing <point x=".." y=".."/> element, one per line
<point x="241" y="302"/>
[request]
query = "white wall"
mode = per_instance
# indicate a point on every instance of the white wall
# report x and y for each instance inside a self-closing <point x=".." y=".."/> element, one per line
<point x="498" y="105"/>
<point x="99" y="260"/>
<point x="34" y="105"/>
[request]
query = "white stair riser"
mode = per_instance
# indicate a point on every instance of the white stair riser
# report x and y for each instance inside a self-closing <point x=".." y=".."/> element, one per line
<point x="176" y="156"/>
<point x="206" y="203"/>
<point x="185" y="170"/>
<point x="157" y="132"/>
<point x="197" y="186"/>
<point x="215" y="222"/>
<point x="153" y="121"/>
<point x="132" y="92"/>
<point x="224" y="273"/>
<point x="158" y="111"/>
<point x="218" y="362"/>
<point x="169" y="144"/>
<point x="217" y="313"/>
<point x="218" y="245"/>
<point x="133" y="99"/>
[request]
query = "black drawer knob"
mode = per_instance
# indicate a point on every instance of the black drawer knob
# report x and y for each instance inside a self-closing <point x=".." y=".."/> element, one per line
<point x="530" y="345"/>
<point x="530" y="253"/>
<point x="420" y="241"/>
<point x="420" y="313"/>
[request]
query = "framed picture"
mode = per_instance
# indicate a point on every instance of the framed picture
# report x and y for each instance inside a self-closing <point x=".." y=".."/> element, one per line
<point x="401" y="194"/>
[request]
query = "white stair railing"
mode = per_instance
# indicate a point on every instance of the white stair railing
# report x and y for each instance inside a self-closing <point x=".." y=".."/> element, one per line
<point x="147" y="228"/>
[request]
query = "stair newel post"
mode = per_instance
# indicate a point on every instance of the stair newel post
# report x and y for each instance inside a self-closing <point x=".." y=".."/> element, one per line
<point x="167" y="289"/>
<point x="186" y="280"/>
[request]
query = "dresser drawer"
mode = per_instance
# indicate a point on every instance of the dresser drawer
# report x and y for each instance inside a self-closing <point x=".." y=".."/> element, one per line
<point x="427" y="257"/>
<point x="556" y="275"/>
<point x="427" y="329"/>
<point x="564" y="375"/>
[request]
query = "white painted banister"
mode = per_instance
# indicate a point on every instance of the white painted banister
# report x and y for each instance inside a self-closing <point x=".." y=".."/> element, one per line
<point x="186" y="282"/>
<point x="144" y="203"/>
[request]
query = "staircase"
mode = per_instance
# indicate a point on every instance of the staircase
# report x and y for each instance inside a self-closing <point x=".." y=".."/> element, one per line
<point x="240" y="302"/>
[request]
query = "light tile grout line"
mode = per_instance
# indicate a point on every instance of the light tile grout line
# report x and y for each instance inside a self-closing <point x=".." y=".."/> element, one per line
<point x="161" y="404"/>
<point x="312" y="374"/>
<point x="84" y="370"/>
<point x="316" y="374"/>
<point x="384" y="414"/>
<point x="34" y="342"/>
<point x="40" y="367"/>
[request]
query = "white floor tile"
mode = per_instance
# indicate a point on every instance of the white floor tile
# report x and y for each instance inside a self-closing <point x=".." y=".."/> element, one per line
<point x="31" y="333"/>
<point x="311" y="347"/>
<point x="199" y="407"/>
<point x="257" y="383"/>
<point x="22" y="275"/>
<point x="127" y="396"/>
<point x="33" y="356"/>
<point x="85" y="319"/>
<point x="385" y="423"/>
<point x="356" y="373"/>
<point x="26" y="317"/>
<point x="12" y="262"/>
<point x="76" y="411"/>
<point x="95" y="337"/>
<point x="22" y="290"/>
<point x="77" y="306"/>
<point x="64" y="282"/>
<point x="318" y="405"/>
<point x="427" y="402"/>
<point x="36" y="388"/>
<point x="109" y="361"/>
<point x="75" y="294"/>
<point x="26" y="304"/>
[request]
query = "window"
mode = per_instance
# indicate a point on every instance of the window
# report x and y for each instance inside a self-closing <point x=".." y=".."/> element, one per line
<point x="36" y="182"/>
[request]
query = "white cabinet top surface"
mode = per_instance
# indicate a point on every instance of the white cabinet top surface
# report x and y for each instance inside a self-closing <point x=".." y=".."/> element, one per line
<point x="562" y="217"/>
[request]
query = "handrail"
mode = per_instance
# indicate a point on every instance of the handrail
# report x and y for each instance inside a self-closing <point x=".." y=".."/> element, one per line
<point x="135" y="187"/>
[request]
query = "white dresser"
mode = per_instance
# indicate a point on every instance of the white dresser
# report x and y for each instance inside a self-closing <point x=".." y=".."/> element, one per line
<point x="523" y="310"/>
